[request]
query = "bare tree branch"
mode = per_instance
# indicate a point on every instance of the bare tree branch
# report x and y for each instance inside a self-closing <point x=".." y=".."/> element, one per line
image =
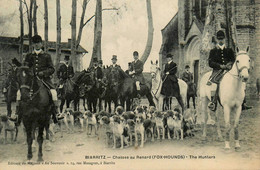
<point x="105" y="9"/>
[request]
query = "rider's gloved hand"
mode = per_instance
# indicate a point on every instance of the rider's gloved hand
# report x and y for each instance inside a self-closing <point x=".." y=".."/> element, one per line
<point x="40" y="74"/>
<point x="224" y="67"/>
<point x="167" y="73"/>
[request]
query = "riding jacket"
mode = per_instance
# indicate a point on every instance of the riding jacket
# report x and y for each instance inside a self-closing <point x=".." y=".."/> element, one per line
<point x="65" y="71"/>
<point x="137" y="66"/>
<point x="218" y="57"/>
<point x="41" y="64"/>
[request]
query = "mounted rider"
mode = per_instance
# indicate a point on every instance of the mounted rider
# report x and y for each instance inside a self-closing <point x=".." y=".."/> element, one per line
<point x="136" y="71"/>
<point x="42" y="67"/>
<point x="64" y="72"/>
<point x="221" y="59"/>
<point x="114" y="66"/>
<point x="11" y="75"/>
<point x="187" y="75"/>
<point x="97" y="72"/>
<point x="170" y="86"/>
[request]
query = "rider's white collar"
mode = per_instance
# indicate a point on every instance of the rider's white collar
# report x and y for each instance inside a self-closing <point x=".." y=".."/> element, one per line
<point x="221" y="46"/>
<point x="169" y="62"/>
<point x="37" y="52"/>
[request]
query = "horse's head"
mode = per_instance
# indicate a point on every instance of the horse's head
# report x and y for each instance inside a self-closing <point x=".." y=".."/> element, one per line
<point x="154" y="69"/>
<point x="86" y="83"/>
<point x="242" y="64"/>
<point x="25" y="80"/>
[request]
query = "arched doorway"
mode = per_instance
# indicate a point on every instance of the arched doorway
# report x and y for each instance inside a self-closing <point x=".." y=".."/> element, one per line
<point x="193" y="56"/>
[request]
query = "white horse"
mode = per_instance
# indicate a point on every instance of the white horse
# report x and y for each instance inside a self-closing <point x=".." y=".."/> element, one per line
<point x="231" y="95"/>
<point x="157" y="86"/>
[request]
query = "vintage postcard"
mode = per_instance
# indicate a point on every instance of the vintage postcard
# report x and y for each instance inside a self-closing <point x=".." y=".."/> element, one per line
<point x="133" y="84"/>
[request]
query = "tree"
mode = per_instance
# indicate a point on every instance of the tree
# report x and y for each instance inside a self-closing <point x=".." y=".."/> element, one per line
<point x="58" y="43"/>
<point x="46" y="26"/>
<point x="34" y="19"/>
<point x="73" y="34"/>
<point x="21" y="31"/>
<point x="149" y="42"/>
<point x="96" y="53"/>
<point x="81" y="26"/>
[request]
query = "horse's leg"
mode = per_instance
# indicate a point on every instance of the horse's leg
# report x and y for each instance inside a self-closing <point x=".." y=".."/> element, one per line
<point x="109" y="106"/>
<point x="62" y="104"/>
<point x="40" y="141"/>
<point x="227" y="125"/>
<point x="237" y="117"/>
<point x="218" y="125"/>
<point x="188" y="101"/>
<point x="29" y="142"/>
<point x="99" y="104"/>
<point x="84" y="106"/>
<point x="180" y="101"/>
<point x="150" y="99"/>
<point x="128" y="104"/>
<point x="204" y="103"/>
<point x="9" y="110"/>
<point x="194" y="103"/>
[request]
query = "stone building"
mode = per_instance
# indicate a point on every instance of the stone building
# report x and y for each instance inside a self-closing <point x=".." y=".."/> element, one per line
<point x="9" y="49"/>
<point x="183" y="35"/>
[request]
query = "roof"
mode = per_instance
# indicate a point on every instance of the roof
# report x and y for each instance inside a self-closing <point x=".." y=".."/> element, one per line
<point x="65" y="46"/>
<point x="170" y="35"/>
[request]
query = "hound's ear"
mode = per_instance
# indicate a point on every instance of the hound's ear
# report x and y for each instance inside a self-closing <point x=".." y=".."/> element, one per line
<point x="156" y="62"/>
<point x="247" y="49"/>
<point x="237" y="50"/>
<point x="151" y="61"/>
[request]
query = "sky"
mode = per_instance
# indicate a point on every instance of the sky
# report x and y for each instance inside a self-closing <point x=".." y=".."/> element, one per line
<point x="123" y="31"/>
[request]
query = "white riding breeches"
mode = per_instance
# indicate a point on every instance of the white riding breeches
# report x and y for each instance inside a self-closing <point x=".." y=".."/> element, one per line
<point x="137" y="85"/>
<point x="53" y="95"/>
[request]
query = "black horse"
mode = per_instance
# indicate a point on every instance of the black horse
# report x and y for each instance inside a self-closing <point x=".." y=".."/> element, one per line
<point x="126" y="89"/>
<point x="111" y="88"/>
<point x="191" y="93"/>
<point x="10" y="96"/>
<point x="70" y="91"/>
<point x="35" y="105"/>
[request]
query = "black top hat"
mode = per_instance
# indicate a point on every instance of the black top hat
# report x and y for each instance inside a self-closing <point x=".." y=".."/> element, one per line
<point x="169" y="56"/>
<point x="187" y="66"/>
<point x="135" y="53"/>
<point x="36" y="39"/>
<point x="220" y="35"/>
<point x="114" y="57"/>
<point x="67" y="57"/>
<point x="16" y="62"/>
<point x="95" y="60"/>
<point x="100" y="62"/>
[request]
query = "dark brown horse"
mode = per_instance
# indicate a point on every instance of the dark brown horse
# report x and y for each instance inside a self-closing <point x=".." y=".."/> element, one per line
<point x="11" y="94"/>
<point x="191" y="93"/>
<point x="126" y="90"/>
<point x="71" y="93"/>
<point x="35" y="105"/>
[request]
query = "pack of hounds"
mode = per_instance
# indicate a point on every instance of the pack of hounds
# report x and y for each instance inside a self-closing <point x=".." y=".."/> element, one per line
<point x="122" y="128"/>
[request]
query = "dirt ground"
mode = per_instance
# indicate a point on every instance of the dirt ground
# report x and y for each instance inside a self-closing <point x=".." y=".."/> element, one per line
<point x="74" y="149"/>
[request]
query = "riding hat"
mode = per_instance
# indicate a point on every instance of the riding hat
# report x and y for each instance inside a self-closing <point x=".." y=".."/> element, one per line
<point x="16" y="62"/>
<point x="135" y="53"/>
<point x="220" y="35"/>
<point x="67" y="57"/>
<point x="187" y="66"/>
<point x="36" y="39"/>
<point x="169" y="56"/>
<point x="114" y="57"/>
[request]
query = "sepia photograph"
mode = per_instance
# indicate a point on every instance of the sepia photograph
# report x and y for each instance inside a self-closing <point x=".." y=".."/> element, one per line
<point x="129" y="84"/>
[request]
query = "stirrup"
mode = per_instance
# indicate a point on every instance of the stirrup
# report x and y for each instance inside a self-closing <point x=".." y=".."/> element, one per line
<point x="212" y="106"/>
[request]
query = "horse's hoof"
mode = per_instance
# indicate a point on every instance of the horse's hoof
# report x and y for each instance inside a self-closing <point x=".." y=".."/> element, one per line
<point x="237" y="149"/>
<point x="220" y="139"/>
<point x="40" y="159"/>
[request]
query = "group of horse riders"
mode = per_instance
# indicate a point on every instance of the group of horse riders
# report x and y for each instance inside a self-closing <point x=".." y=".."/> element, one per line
<point x="220" y="59"/>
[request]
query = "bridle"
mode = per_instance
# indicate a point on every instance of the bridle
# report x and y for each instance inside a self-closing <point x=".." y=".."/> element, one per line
<point x="160" y="81"/>
<point x="32" y="94"/>
<point x="240" y="69"/>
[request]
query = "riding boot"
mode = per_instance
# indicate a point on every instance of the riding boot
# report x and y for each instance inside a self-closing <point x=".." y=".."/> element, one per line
<point x="213" y="103"/>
